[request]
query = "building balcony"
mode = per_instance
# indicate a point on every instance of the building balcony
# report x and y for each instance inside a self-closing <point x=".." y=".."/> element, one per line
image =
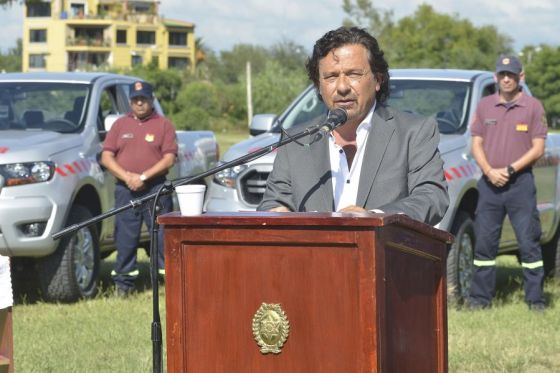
<point x="103" y="43"/>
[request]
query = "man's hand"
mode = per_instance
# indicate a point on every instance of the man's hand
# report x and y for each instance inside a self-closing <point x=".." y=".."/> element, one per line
<point x="133" y="182"/>
<point x="353" y="208"/>
<point x="498" y="176"/>
<point x="279" y="209"/>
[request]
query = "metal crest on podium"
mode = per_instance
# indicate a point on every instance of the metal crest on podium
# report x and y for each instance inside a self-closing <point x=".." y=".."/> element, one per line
<point x="270" y="328"/>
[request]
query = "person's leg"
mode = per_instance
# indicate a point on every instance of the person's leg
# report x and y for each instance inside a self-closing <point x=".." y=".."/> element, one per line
<point x="165" y="206"/>
<point x="127" y="231"/>
<point x="522" y="210"/>
<point x="488" y="222"/>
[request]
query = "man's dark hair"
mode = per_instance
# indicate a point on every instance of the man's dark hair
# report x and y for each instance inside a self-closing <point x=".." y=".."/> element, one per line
<point x="353" y="35"/>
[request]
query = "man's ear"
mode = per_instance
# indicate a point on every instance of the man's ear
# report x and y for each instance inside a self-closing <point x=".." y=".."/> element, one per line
<point x="522" y="76"/>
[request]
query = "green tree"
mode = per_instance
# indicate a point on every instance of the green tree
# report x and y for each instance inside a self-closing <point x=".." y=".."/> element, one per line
<point x="11" y="62"/>
<point x="198" y="102"/>
<point x="276" y="86"/>
<point x="231" y="65"/>
<point x="362" y="13"/>
<point x="542" y="73"/>
<point x="289" y="54"/>
<point x="430" y="39"/>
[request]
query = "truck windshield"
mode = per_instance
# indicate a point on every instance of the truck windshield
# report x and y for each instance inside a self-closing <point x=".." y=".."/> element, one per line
<point x="58" y="107"/>
<point x="448" y="101"/>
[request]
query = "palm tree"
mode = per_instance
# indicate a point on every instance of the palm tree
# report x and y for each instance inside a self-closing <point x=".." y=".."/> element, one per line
<point x="200" y="50"/>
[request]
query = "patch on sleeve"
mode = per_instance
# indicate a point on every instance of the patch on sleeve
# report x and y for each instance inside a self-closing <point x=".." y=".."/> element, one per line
<point x="544" y="121"/>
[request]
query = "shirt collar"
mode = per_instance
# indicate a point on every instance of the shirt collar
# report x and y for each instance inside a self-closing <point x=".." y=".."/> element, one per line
<point x="521" y="100"/>
<point x="153" y="115"/>
<point x="366" y="122"/>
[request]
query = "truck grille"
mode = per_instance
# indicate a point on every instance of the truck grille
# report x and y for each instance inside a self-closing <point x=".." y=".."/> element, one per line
<point x="252" y="185"/>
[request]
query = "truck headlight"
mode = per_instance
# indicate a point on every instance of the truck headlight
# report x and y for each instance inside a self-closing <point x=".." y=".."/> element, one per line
<point x="228" y="176"/>
<point x="26" y="173"/>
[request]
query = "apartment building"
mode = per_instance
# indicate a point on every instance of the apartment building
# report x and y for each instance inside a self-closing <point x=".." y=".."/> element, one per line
<point x="79" y="35"/>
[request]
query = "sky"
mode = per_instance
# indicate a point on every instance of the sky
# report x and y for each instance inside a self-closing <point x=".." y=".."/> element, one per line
<point x="223" y="23"/>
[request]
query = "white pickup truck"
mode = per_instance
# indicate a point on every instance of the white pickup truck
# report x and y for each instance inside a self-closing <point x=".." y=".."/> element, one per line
<point x="450" y="95"/>
<point x="51" y="130"/>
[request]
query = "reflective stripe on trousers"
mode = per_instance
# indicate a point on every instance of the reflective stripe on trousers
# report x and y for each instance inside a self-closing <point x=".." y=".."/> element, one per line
<point x="518" y="201"/>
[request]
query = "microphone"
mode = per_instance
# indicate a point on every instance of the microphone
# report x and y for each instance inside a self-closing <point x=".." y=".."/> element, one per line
<point x="336" y="118"/>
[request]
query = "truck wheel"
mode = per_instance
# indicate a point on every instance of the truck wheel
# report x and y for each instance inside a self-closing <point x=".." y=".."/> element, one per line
<point x="551" y="256"/>
<point x="460" y="259"/>
<point x="70" y="273"/>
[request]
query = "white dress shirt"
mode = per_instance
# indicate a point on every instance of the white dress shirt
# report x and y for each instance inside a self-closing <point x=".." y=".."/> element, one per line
<point x="345" y="181"/>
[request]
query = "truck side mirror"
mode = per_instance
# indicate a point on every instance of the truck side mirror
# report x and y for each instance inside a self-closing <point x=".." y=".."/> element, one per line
<point x="110" y="120"/>
<point x="262" y="123"/>
<point x="104" y="125"/>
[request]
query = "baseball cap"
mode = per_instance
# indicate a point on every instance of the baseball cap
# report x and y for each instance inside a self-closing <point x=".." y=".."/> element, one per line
<point x="141" y="89"/>
<point x="508" y="63"/>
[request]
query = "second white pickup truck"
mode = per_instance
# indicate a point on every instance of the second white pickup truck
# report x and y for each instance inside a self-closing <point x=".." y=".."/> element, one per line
<point x="451" y="96"/>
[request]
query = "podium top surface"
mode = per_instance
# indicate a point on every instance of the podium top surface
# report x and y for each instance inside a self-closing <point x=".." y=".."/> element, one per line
<point x="303" y="219"/>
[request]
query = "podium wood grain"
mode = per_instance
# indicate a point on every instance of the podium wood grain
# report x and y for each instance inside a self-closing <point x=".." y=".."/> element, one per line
<point x="361" y="293"/>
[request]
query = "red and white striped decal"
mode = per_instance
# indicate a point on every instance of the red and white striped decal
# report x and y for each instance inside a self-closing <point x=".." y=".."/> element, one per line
<point x="74" y="168"/>
<point x="458" y="172"/>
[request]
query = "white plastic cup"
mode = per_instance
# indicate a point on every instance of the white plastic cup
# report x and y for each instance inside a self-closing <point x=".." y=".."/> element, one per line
<point x="191" y="198"/>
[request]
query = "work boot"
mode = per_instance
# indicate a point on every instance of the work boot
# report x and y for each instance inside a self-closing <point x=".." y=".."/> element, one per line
<point x="537" y="307"/>
<point x="122" y="292"/>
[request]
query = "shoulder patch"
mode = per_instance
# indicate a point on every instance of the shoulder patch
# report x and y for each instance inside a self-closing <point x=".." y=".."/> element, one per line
<point x="544" y="121"/>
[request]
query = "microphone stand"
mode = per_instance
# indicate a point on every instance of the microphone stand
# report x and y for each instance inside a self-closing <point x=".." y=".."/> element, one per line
<point x="167" y="188"/>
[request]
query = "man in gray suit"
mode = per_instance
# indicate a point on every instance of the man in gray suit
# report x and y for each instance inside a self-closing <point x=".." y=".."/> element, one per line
<point x="380" y="160"/>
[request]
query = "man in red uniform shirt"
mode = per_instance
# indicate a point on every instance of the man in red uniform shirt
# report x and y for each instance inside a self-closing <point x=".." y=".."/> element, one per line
<point x="508" y="136"/>
<point x="138" y="150"/>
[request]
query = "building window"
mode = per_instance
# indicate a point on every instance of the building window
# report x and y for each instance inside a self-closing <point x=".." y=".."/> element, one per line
<point x="38" y="9"/>
<point x="38" y="36"/>
<point x="136" y="60"/>
<point x="121" y="36"/>
<point x="177" y="62"/>
<point x="37" y="61"/>
<point x="145" y="37"/>
<point x="178" y="38"/>
<point x="140" y="7"/>
<point x="77" y="10"/>
<point x="103" y="10"/>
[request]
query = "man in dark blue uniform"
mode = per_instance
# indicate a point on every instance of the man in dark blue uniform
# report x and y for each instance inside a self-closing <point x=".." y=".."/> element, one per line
<point x="508" y="137"/>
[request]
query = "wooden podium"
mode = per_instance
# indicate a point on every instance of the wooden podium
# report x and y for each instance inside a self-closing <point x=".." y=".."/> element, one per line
<point x="6" y="341"/>
<point x="304" y="292"/>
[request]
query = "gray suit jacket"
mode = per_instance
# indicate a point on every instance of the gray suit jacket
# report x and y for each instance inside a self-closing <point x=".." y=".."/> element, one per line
<point x="402" y="171"/>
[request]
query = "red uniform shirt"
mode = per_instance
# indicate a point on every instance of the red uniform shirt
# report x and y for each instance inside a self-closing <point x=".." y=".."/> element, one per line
<point x="508" y="131"/>
<point x="139" y="144"/>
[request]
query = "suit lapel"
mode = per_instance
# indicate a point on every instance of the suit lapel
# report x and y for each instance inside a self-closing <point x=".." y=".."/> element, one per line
<point x="380" y="133"/>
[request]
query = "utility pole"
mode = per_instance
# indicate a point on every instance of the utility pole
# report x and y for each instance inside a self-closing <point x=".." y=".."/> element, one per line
<point x="249" y="95"/>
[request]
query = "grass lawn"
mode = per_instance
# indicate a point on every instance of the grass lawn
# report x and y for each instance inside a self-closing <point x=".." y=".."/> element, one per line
<point x="112" y="334"/>
<point x="227" y="139"/>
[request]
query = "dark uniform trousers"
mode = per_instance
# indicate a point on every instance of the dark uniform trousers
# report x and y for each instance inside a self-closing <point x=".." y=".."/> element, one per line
<point x="518" y="200"/>
<point x="128" y="225"/>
